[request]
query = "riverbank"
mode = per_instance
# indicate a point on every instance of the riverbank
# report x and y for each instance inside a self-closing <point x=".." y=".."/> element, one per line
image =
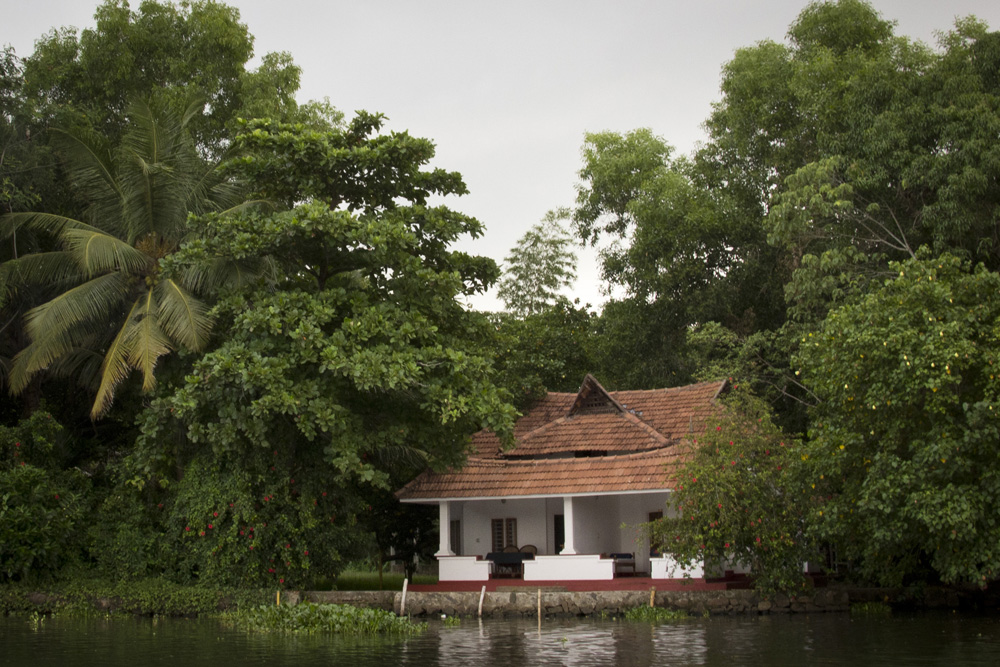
<point x="503" y="601"/>
<point x="525" y="601"/>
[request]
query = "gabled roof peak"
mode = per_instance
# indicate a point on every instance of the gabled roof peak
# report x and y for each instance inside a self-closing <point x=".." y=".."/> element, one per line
<point x="594" y="399"/>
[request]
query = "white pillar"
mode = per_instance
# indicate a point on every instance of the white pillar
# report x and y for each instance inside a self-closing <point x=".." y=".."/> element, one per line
<point x="444" y="546"/>
<point x="569" y="546"/>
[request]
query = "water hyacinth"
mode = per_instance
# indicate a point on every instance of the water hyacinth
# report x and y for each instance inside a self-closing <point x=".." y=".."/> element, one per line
<point x="333" y="618"/>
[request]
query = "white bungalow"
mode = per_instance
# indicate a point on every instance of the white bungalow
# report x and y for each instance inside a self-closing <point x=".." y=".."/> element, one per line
<point x="567" y="501"/>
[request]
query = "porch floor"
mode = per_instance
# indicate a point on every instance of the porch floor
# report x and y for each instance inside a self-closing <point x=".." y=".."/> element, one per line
<point x="638" y="583"/>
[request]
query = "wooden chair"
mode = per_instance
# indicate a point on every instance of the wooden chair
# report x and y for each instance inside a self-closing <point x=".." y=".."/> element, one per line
<point x="529" y="549"/>
<point x="510" y="549"/>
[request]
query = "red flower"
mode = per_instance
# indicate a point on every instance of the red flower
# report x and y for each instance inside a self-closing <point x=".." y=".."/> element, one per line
<point x="187" y="528"/>
<point x="57" y="496"/>
<point x="241" y="533"/>
<point x="270" y="569"/>
<point x="281" y="581"/>
<point x="288" y="546"/>
<point x="758" y="539"/>
<point x="210" y="526"/>
<point x="215" y="514"/>
<point x="307" y="552"/>
<point x="293" y="481"/>
<point x="732" y="462"/>
<point x="201" y="533"/>
<point x="324" y="494"/>
<point x="251" y="547"/>
<point x="17" y="444"/>
<point x="718" y="428"/>
<point x="720" y="506"/>
<point x="230" y="504"/>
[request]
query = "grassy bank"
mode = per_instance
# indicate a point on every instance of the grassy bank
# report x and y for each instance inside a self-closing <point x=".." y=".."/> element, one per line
<point x="355" y="580"/>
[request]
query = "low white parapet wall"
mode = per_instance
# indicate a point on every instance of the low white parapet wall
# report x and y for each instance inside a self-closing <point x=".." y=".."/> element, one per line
<point x="665" y="567"/>
<point x="578" y="567"/>
<point x="463" y="568"/>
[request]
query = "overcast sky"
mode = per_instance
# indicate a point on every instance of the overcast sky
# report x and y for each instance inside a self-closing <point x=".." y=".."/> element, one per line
<point x="507" y="89"/>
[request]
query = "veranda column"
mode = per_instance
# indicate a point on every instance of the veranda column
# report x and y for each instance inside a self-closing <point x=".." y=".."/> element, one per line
<point x="444" y="513"/>
<point x="569" y="546"/>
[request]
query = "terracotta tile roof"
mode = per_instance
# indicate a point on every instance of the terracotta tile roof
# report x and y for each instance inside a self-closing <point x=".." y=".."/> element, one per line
<point x="492" y="478"/>
<point x="589" y="433"/>
<point x="641" y="435"/>
<point x="673" y="413"/>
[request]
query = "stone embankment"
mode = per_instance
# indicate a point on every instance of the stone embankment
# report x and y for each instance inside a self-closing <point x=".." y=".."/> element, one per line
<point x="524" y="601"/>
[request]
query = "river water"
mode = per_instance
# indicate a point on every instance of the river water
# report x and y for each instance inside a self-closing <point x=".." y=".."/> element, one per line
<point x="822" y="639"/>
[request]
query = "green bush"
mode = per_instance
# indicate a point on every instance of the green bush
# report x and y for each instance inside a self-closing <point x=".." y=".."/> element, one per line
<point x="312" y="618"/>
<point x="41" y="507"/>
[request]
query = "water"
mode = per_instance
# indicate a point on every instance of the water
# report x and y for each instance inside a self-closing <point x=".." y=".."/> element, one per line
<point x="822" y="639"/>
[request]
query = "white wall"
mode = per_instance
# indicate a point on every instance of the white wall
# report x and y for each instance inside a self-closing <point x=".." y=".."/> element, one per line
<point x="633" y="511"/>
<point x="477" y="516"/>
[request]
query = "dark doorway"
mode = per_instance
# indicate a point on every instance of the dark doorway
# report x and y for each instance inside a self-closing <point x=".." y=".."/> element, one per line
<point x="559" y="532"/>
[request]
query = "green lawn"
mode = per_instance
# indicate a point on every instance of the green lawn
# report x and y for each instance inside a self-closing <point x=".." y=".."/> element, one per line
<point x="353" y="580"/>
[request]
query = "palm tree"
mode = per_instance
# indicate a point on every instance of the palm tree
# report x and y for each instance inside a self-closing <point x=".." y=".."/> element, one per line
<point x="118" y="307"/>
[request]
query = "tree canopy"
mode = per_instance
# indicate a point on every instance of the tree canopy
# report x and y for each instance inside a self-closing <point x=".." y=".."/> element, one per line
<point x="355" y="353"/>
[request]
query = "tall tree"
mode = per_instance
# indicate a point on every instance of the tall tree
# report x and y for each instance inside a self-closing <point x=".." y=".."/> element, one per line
<point x="356" y="353"/>
<point x="539" y="267"/>
<point x="118" y="305"/>
<point x="673" y="245"/>
<point x="197" y="48"/>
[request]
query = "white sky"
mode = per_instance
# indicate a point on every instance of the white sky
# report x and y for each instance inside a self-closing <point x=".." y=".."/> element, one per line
<point x="508" y="89"/>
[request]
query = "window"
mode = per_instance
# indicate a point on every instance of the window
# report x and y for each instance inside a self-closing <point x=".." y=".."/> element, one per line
<point x="504" y="532"/>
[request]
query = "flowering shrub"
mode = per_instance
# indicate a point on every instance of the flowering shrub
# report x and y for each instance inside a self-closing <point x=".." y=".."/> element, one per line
<point x="738" y="499"/>
<point x="40" y="507"/>
<point x="256" y="525"/>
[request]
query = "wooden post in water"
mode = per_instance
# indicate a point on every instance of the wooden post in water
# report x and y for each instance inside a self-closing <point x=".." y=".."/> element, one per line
<point x="482" y="594"/>
<point x="652" y="596"/>
<point x="539" y="609"/>
<point x="402" y="603"/>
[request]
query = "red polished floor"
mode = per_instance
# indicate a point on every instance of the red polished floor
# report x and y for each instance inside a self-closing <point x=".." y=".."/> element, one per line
<point x="616" y="584"/>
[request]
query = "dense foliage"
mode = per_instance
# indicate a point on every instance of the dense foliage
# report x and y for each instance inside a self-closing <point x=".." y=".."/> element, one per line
<point x="739" y="500"/>
<point x="903" y="447"/>
<point x="833" y="245"/>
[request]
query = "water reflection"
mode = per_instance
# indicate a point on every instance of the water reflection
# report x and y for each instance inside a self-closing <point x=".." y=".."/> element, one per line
<point x="927" y="639"/>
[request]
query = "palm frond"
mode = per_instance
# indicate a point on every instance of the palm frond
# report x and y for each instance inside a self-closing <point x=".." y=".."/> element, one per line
<point x="115" y="366"/>
<point x="40" y="222"/>
<point x="149" y="343"/>
<point x="58" y="267"/>
<point x="181" y="316"/>
<point x="90" y="302"/>
<point x="90" y="164"/>
<point x="97" y="252"/>
<point x="225" y="273"/>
